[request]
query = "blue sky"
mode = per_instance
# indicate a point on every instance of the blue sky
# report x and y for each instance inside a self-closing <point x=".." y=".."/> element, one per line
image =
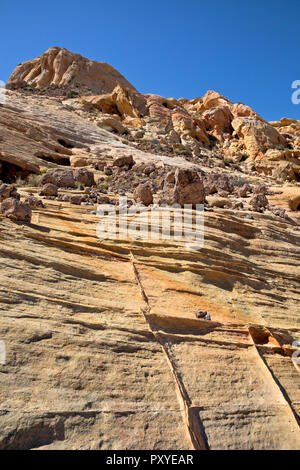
<point x="246" y="50"/>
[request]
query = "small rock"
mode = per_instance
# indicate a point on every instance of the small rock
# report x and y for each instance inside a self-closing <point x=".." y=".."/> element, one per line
<point x="108" y="171"/>
<point x="200" y="314"/>
<point x="34" y="202"/>
<point x="49" y="189"/>
<point x="126" y="160"/>
<point x="75" y="199"/>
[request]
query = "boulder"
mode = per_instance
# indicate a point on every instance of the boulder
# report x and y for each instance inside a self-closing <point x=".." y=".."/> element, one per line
<point x="83" y="176"/>
<point x="183" y="187"/>
<point x="260" y="189"/>
<point x="49" y="189"/>
<point x="124" y="160"/>
<point x="243" y="191"/>
<point x="111" y="124"/>
<point x="34" y="202"/>
<point x="259" y="203"/>
<point x="60" y="177"/>
<point x="75" y="199"/>
<point x="7" y="190"/>
<point x="143" y="194"/>
<point x="66" y="178"/>
<point x="217" y="201"/>
<point x="218" y="119"/>
<point x="257" y="136"/>
<point x="16" y="210"/>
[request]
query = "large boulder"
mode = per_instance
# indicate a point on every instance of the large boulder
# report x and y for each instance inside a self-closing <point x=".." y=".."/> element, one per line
<point x="257" y="136"/>
<point x="16" y="210"/>
<point x="124" y="103"/>
<point x="259" y="202"/>
<point x="83" y="176"/>
<point x="124" y="161"/>
<point x="183" y="187"/>
<point x="216" y="183"/>
<point x="49" y="189"/>
<point x="60" y="177"/>
<point x="110" y="124"/>
<point x="143" y="194"/>
<point x="218" y="119"/>
<point x="67" y="177"/>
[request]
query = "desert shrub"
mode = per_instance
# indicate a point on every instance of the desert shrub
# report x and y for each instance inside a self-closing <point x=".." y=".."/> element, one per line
<point x="71" y="94"/>
<point x="34" y="180"/>
<point x="228" y="160"/>
<point x="239" y="182"/>
<point x="19" y="182"/>
<point x="103" y="186"/>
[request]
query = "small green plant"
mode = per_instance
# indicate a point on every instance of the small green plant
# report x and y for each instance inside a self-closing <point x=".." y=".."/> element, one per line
<point x="108" y="178"/>
<point x="228" y="161"/>
<point x="103" y="186"/>
<point x="71" y="94"/>
<point x="78" y="185"/>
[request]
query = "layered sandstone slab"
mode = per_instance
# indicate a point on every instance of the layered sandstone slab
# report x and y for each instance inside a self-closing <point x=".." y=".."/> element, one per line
<point x="104" y="350"/>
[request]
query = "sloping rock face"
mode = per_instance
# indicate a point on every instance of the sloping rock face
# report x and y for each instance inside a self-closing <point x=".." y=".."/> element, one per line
<point x="104" y="351"/>
<point x="101" y="341"/>
<point x="59" y="67"/>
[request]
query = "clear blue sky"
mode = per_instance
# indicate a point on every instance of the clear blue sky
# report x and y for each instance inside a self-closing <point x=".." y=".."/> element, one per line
<point x="247" y="50"/>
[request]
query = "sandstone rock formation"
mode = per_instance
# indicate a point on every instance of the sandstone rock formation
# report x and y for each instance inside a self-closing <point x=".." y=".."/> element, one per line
<point x="61" y="68"/>
<point x="105" y="345"/>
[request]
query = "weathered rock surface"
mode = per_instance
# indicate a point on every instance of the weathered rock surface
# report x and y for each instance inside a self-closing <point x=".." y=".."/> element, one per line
<point x="104" y="347"/>
<point x="93" y="362"/>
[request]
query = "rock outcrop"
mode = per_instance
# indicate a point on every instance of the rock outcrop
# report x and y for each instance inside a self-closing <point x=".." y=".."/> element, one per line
<point x="62" y="69"/>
